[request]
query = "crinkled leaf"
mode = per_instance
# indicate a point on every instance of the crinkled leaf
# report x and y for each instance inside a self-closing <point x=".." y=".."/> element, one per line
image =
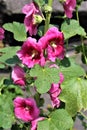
<point x="74" y="94"/>
<point x="45" y="77"/>
<point x="8" y="56"/>
<point x="6" y="111"/>
<point x="18" y="29"/>
<point x="70" y="69"/>
<point x="58" y="120"/>
<point x="72" y="28"/>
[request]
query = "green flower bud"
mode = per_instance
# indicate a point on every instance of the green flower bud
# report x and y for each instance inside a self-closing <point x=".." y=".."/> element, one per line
<point x="37" y="19"/>
<point x="47" y="9"/>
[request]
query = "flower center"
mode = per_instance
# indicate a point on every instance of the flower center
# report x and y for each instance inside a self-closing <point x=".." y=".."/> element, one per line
<point x="34" y="53"/>
<point x="53" y="44"/>
<point x="27" y="108"/>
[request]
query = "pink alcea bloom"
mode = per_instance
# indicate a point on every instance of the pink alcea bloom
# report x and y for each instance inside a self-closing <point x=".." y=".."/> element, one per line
<point x="54" y="92"/>
<point x="69" y="6"/>
<point x="1" y="33"/>
<point x="34" y="123"/>
<point x="31" y="53"/>
<point x="18" y="75"/>
<point x="53" y="43"/>
<point x="26" y="109"/>
<point x="33" y="17"/>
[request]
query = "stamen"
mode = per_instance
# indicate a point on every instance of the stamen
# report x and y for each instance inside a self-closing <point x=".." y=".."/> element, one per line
<point x="53" y="44"/>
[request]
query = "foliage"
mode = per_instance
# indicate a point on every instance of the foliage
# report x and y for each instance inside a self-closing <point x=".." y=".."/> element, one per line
<point x="53" y="88"/>
<point x="16" y="28"/>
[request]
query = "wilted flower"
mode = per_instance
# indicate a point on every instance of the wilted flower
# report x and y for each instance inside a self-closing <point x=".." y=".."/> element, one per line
<point x="18" y="75"/>
<point x="54" y="92"/>
<point x="53" y="43"/>
<point x="33" y="17"/>
<point x="69" y="6"/>
<point x="26" y="109"/>
<point x="1" y="33"/>
<point x="31" y="53"/>
<point x="35" y="122"/>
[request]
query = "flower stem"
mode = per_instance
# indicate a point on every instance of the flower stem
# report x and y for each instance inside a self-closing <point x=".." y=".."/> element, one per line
<point x="83" y="49"/>
<point x="48" y="16"/>
<point x="83" y="115"/>
<point x="82" y="43"/>
<point x="77" y="14"/>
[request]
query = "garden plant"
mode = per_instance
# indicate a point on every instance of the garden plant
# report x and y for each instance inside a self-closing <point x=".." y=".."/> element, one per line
<point x="46" y="89"/>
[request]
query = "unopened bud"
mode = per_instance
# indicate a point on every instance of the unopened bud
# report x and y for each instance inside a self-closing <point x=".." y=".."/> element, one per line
<point x="37" y="19"/>
<point x="47" y="9"/>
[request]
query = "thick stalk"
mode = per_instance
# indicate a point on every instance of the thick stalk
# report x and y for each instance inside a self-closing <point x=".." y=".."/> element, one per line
<point x="83" y="49"/>
<point x="48" y="16"/>
<point x="82" y="43"/>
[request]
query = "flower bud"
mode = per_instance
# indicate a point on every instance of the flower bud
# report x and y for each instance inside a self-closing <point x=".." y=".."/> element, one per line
<point x="47" y="9"/>
<point x="37" y="19"/>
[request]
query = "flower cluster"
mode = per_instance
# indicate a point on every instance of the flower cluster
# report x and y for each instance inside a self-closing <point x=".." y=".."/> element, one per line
<point x="42" y="74"/>
<point x="49" y="47"/>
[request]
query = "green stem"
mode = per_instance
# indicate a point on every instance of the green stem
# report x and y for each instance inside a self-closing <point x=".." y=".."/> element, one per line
<point x="83" y="115"/>
<point x="83" y="47"/>
<point x="77" y="14"/>
<point x="48" y="16"/>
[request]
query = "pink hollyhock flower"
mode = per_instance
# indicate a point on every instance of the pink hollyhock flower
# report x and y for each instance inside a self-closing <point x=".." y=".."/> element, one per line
<point x="18" y="75"/>
<point x="55" y="91"/>
<point x="69" y="6"/>
<point x="53" y="42"/>
<point x="35" y="122"/>
<point x="1" y="33"/>
<point x="33" y="17"/>
<point x="31" y="53"/>
<point x="26" y="109"/>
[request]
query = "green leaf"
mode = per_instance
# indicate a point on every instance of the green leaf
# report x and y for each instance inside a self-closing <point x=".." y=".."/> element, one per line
<point x="58" y="120"/>
<point x="6" y="111"/>
<point x="70" y="69"/>
<point x="8" y="56"/>
<point x="2" y="66"/>
<point x="18" y="29"/>
<point x="45" y="77"/>
<point x="72" y="28"/>
<point x="74" y="94"/>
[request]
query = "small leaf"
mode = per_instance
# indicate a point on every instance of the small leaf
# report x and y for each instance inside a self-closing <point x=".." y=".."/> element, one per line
<point x="18" y="29"/>
<point x="72" y="28"/>
<point x="58" y="120"/>
<point x="45" y="77"/>
<point x="8" y="56"/>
